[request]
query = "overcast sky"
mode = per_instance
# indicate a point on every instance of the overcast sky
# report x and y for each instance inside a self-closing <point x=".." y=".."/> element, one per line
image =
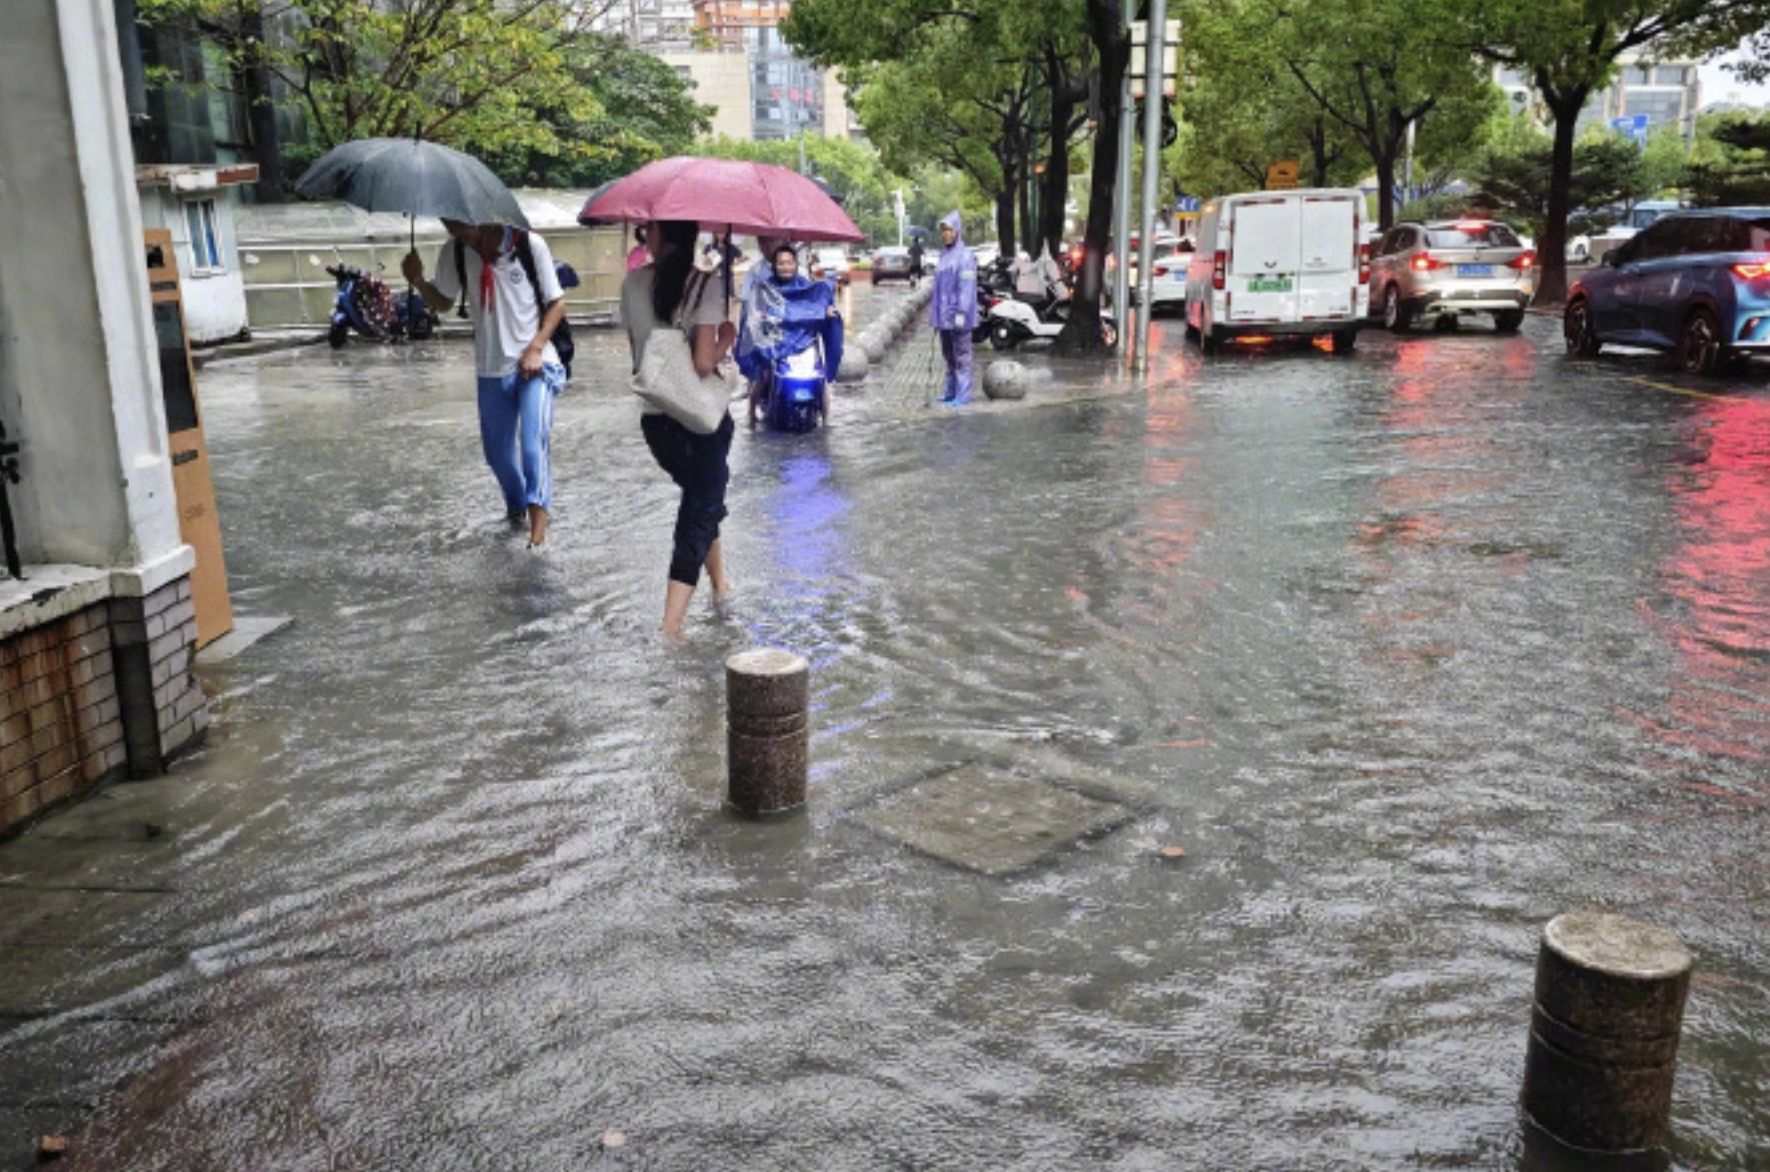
<point x="1719" y="86"/>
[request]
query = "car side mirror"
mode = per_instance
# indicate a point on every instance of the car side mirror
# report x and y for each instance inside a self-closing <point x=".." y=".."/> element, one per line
<point x="1610" y="259"/>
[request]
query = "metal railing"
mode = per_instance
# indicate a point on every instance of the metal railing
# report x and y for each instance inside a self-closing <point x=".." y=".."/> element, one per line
<point x="287" y="286"/>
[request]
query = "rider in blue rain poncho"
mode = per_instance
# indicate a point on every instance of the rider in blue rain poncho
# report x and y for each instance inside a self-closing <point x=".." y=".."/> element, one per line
<point x="785" y="312"/>
<point x="953" y="309"/>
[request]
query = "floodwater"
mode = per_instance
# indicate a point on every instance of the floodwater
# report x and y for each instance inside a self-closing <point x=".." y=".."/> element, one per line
<point x="1409" y="652"/>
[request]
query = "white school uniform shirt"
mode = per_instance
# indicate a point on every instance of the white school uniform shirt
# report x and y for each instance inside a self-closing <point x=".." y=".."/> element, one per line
<point x="502" y="329"/>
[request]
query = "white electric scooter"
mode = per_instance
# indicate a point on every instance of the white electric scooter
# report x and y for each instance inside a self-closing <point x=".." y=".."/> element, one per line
<point x="1016" y="318"/>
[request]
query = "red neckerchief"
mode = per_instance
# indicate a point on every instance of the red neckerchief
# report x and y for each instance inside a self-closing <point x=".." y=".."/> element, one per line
<point x="487" y="285"/>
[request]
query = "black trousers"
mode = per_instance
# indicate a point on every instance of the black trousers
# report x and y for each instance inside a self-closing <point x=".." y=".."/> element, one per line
<point x="697" y="463"/>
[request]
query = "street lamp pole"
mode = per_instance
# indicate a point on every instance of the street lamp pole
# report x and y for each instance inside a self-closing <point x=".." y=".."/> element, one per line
<point x="1154" y="87"/>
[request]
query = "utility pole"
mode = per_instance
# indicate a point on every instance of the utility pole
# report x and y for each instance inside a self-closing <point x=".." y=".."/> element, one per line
<point x="1152" y="168"/>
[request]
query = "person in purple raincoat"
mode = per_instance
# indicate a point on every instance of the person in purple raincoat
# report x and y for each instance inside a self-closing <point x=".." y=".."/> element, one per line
<point x="953" y="309"/>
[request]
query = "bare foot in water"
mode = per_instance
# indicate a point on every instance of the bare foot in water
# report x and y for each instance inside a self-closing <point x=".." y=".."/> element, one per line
<point x="537" y="525"/>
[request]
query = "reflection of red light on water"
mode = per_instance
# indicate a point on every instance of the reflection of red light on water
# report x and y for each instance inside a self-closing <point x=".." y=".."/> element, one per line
<point x="1720" y="575"/>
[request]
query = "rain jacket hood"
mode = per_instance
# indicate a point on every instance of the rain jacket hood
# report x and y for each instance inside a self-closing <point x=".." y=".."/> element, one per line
<point x="954" y="304"/>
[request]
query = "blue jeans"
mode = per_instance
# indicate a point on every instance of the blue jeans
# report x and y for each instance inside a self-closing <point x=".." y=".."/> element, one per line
<point x="515" y="426"/>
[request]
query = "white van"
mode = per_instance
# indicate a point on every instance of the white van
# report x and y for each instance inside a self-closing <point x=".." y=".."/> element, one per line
<point x="1280" y="262"/>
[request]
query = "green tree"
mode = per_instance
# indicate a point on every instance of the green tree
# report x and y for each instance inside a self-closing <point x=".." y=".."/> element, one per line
<point x="1377" y="66"/>
<point x="996" y="91"/>
<point x="477" y="74"/>
<point x="970" y="84"/>
<point x="1666" y="160"/>
<point x="1607" y="169"/>
<point x="1732" y="162"/>
<point x="853" y="170"/>
<point x="644" y="111"/>
<point x="934" y="191"/>
<point x="1226" y="141"/>
<point x="941" y="107"/>
<point x="1568" y="50"/>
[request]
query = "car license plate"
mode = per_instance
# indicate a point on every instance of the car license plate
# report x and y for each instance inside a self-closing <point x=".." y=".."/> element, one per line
<point x="1474" y="270"/>
<point x="1269" y="285"/>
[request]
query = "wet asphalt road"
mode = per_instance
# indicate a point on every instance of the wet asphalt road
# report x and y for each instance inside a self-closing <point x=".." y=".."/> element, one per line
<point x="1409" y="651"/>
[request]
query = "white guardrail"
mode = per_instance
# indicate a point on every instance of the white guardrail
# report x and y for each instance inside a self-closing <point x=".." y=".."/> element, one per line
<point x="287" y="286"/>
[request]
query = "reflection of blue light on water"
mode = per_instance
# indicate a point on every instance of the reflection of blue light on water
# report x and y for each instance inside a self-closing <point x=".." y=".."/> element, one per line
<point x="804" y="511"/>
<point x="809" y="554"/>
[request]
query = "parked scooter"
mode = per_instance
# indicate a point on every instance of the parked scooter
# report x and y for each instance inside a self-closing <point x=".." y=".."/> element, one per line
<point x="994" y="282"/>
<point x="364" y="303"/>
<point x="1016" y="318"/>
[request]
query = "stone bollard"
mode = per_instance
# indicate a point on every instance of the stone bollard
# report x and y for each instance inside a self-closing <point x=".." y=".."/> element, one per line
<point x="872" y="342"/>
<point x="855" y="365"/>
<point x="1604" y="1033"/>
<point x="767" y="694"/>
<point x="1007" y="379"/>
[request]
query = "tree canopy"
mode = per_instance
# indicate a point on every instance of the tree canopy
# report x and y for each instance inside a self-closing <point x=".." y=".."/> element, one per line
<point x="643" y="111"/>
<point x="1569" y="49"/>
<point x="491" y="76"/>
<point x="1731" y="164"/>
<point x="853" y="170"/>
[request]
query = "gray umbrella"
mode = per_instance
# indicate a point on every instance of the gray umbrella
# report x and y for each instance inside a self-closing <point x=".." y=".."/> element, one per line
<point x="417" y="178"/>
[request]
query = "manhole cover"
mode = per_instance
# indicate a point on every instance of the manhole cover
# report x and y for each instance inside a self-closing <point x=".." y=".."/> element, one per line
<point x="991" y="822"/>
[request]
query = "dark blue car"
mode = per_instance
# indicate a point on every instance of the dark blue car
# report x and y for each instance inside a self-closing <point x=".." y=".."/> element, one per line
<point x="1695" y="283"/>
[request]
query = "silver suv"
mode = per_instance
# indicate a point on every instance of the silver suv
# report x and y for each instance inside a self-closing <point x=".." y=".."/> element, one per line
<point x="1449" y="268"/>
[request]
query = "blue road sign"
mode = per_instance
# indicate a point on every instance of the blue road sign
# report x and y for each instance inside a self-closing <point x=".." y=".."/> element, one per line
<point x="1632" y="125"/>
<point x="1187" y="203"/>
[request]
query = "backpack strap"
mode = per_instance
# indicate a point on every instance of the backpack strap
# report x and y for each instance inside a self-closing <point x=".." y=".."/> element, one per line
<point x="525" y="256"/>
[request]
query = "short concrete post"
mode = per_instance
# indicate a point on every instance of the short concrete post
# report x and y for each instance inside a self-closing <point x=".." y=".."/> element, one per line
<point x="767" y="695"/>
<point x="1604" y="1033"/>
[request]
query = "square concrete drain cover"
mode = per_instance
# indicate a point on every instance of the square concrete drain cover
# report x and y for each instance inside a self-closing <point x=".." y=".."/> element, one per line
<point x="991" y="822"/>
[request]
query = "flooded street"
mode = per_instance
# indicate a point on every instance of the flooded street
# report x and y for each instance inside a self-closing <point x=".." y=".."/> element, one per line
<point x="1409" y="651"/>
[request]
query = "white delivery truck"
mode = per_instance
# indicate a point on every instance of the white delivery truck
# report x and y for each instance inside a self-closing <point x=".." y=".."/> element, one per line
<point x="1280" y="262"/>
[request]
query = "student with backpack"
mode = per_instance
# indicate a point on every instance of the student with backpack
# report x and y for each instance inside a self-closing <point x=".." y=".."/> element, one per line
<point x="521" y="346"/>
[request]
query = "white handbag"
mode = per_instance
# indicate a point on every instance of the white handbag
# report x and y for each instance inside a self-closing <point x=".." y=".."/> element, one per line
<point x="667" y="379"/>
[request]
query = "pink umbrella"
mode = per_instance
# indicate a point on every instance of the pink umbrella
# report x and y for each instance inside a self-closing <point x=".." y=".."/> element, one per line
<point x="756" y="199"/>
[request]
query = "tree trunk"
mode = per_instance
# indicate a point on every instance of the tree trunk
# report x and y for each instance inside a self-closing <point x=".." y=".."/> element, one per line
<point x="1385" y="161"/>
<point x="261" y="113"/>
<point x="1005" y="214"/>
<point x="1112" y="44"/>
<point x="1318" y="149"/>
<point x="1054" y="184"/>
<point x="1551" y="250"/>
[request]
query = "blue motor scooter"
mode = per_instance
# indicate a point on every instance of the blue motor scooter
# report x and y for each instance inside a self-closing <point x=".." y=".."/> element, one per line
<point x="791" y="373"/>
<point x="796" y="398"/>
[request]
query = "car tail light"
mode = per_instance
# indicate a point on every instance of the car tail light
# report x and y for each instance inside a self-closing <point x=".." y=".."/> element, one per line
<point x="1426" y="262"/>
<point x="1159" y="268"/>
<point x="1219" y="269"/>
<point x="1752" y="272"/>
<point x="1364" y="264"/>
<point x="1524" y="260"/>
